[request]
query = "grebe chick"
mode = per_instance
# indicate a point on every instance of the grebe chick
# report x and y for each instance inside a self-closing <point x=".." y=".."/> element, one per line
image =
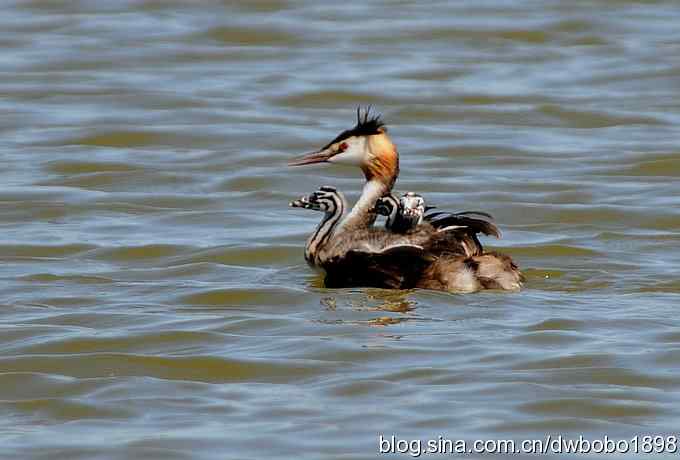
<point x="333" y="204"/>
<point x="403" y="214"/>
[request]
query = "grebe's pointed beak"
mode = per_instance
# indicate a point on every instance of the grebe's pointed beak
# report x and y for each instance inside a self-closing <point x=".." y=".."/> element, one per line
<point x="430" y="208"/>
<point x="302" y="202"/>
<point x="319" y="156"/>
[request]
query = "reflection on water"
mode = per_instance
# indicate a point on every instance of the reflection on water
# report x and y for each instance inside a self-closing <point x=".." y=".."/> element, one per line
<point x="155" y="302"/>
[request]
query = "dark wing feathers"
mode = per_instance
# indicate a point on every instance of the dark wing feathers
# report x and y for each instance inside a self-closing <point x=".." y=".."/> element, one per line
<point x="440" y="220"/>
<point x="396" y="267"/>
<point x="456" y="241"/>
<point x="482" y="214"/>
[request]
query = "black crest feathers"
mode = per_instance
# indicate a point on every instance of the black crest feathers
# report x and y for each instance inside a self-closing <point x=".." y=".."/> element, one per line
<point x="367" y="125"/>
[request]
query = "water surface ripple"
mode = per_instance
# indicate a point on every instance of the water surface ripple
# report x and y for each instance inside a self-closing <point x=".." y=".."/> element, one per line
<point x="155" y="303"/>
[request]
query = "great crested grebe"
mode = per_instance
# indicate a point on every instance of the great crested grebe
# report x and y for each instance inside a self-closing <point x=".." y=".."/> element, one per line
<point x="369" y="256"/>
<point x="355" y="254"/>
<point x="378" y="257"/>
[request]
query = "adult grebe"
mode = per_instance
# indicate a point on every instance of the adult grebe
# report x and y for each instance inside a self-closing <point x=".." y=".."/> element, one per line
<point x="379" y="257"/>
<point x="421" y="258"/>
<point x="376" y="257"/>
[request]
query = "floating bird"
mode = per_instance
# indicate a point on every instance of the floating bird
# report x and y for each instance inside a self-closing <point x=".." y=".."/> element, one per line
<point x="368" y="256"/>
<point x="440" y="252"/>
<point x="378" y="257"/>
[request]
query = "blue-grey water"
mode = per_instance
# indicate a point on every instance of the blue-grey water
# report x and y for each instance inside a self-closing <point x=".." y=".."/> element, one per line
<point x="154" y="298"/>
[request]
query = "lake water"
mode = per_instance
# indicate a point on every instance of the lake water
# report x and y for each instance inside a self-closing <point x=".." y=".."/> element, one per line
<point x="155" y="301"/>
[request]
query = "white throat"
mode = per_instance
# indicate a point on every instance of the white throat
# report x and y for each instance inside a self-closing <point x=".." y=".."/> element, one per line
<point x="361" y="216"/>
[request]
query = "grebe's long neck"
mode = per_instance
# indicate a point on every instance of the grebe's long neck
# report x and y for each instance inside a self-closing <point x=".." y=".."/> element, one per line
<point x="381" y="172"/>
<point x="324" y="230"/>
<point x="362" y="215"/>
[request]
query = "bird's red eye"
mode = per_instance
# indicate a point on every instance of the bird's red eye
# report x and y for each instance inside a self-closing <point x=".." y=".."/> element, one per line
<point x="342" y="147"/>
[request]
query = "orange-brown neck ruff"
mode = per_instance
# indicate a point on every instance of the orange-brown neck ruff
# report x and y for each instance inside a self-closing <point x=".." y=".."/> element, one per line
<point x="383" y="164"/>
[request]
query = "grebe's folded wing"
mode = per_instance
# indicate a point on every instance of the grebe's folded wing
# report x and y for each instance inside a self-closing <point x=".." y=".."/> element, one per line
<point x="481" y="223"/>
<point x="397" y="266"/>
<point x="454" y="241"/>
<point x="480" y="214"/>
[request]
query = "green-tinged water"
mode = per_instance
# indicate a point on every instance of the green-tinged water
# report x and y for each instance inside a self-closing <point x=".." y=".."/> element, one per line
<point x="154" y="298"/>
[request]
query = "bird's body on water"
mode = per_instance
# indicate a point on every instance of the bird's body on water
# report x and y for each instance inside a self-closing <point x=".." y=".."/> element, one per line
<point x="440" y="252"/>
